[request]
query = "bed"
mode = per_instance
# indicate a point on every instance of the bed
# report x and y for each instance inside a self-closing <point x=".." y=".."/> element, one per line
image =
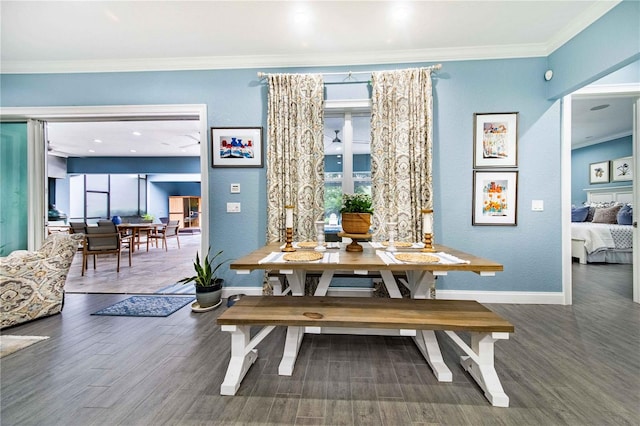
<point x="603" y="242"/>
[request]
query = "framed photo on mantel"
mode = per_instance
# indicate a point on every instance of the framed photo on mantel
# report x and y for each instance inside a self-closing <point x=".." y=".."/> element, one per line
<point x="495" y="140"/>
<point x="236" y="147"/>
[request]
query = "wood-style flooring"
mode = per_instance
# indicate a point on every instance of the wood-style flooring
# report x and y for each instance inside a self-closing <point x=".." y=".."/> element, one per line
<point x="150" y="270"/>
<point x="565" y="365"/>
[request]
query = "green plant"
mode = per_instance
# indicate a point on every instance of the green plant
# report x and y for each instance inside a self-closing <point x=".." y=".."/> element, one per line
<point x="356" y="203"/>
<point x="205" y="271"/>
<point x="148" y="216"/>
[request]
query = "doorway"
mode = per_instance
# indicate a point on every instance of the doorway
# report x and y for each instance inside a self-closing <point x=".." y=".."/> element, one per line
<point x="604" y="96"/>
<point x="37" y="191"/>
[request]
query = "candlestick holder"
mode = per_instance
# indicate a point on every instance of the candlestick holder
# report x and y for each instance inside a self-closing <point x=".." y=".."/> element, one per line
<point x="320" y="236"/>
<point x="391" y="231"/>
<point x="428" y="243"/>
<point x="289" y="239"/>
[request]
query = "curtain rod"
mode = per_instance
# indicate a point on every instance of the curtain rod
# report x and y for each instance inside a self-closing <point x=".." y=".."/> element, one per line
<point x="436" y="67"/>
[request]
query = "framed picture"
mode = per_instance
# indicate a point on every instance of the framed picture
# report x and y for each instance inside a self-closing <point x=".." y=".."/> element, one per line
<point x="622" y="169"/>
<point x="236" y="147"/>
<point x="495" y="140"/>
<point x="599" y="172"/>
<point x="495" y="198"/>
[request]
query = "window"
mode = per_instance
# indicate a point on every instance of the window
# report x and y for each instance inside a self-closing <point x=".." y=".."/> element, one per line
<point x="347" y="142"/>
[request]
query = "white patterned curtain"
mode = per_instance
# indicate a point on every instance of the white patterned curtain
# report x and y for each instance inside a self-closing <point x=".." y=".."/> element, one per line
<point x="401" y="150"/>
<point x="295" y="154"/>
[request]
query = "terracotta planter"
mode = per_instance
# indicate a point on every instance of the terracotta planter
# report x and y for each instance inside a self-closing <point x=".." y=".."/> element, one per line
<point x="356" y="223"/>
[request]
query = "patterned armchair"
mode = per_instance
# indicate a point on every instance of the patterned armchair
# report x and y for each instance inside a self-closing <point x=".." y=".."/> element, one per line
<point x="32" y="282"/>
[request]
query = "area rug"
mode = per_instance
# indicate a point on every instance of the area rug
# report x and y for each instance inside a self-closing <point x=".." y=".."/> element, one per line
<point x="10" y="344"/>
<point x="146" y="306"/>
<point x="177" y="288"/>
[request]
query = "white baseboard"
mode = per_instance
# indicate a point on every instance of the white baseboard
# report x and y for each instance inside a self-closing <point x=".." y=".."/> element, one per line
<point x="511" y="297"/>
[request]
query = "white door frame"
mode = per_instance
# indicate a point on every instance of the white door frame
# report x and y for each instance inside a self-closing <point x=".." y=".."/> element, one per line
<point x="632" y="89"/>
<point x="37" y="160"/>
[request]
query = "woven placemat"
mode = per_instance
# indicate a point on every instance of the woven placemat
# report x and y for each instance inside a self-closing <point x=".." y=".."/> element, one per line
<point x="398" y="244"/>
<point x="417" y="257"/>
<point x="302" y="256"/>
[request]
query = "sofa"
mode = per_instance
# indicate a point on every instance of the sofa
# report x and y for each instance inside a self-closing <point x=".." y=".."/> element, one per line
<point x="32" y="282"/>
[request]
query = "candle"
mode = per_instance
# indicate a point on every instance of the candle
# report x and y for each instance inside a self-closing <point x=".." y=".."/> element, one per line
<point x="288" y="216"/>
<point x="427" y="221"/>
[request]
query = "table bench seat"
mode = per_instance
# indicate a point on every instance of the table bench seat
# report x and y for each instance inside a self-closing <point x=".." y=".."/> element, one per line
<point x="425" y="315"/>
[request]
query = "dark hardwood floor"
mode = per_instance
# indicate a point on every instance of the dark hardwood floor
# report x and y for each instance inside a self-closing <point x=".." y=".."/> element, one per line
<point x="575" y="365"/>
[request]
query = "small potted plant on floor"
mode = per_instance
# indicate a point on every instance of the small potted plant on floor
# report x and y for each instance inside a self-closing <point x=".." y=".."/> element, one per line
<point x="208" y="285"/>
<point x="356" y="213"/>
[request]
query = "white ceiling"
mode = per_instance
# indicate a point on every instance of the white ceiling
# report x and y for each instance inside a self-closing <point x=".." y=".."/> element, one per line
<point x="92" y="36"/>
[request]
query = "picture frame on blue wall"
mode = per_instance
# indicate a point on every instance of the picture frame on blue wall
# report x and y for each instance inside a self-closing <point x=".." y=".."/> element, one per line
<point x="622" y="169"/>
<point x="495" y="140"/>
<point x="495" y="198"/>
<point x="236" y="147"/>
<point x="599" y="172"/>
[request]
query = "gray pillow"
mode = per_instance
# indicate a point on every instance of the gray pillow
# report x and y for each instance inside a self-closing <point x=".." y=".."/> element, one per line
<point x="606" y="214"/>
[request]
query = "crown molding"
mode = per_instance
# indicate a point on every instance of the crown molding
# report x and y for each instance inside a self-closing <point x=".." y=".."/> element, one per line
<point x="275" y="61"/>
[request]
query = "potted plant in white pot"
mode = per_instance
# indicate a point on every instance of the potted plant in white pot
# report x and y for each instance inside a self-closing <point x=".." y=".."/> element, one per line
<point x="356" y="213"/>
<point x="208" y="285"/>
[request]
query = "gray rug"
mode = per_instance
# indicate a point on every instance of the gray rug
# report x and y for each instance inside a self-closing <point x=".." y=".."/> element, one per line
<point x="146" y="306"/>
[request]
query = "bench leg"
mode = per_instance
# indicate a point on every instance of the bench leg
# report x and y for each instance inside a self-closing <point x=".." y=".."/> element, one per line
<point x="428" y="344"/>
<point x="241" y="358"/>
<point x="291" y="348"/>
<point x="482" y="369"/>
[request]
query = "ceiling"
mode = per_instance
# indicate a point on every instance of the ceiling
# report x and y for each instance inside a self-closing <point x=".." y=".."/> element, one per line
<point x="62" y="36"/>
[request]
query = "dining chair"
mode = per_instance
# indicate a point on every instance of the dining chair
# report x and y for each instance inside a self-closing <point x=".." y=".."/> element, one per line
<point x="77" y="227"/>
<point x="103" y="240"/>
<point x="169" y="231"/>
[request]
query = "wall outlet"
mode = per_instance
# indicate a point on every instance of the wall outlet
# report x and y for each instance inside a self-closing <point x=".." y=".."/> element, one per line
<point x="537" y="205"/>
<point x="233" y="207"/>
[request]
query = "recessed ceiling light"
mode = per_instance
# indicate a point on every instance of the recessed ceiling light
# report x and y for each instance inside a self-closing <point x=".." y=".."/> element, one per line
<point x="132" y="150"/>
<point x="599" y="107"/>
<point x="137" y="133"/>
<point x="97" y="140"/>
<point x="92" y="150"/>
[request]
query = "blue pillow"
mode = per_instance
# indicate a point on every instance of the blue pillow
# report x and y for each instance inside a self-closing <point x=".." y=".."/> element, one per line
<point x="625" y="215"/>
<point x="579" y="214"/>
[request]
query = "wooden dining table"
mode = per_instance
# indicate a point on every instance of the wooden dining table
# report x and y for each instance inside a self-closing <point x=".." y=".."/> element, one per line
<point x="376" y="261"/>
<point x="419" y="277"/>
<point x="137" y="229"/>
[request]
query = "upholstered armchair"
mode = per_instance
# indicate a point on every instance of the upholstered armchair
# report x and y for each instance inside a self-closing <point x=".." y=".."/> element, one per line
<point x="32" y="282"/>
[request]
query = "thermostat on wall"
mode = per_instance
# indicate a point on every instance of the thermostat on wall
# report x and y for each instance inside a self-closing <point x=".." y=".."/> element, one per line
<point x="235" y="188"/>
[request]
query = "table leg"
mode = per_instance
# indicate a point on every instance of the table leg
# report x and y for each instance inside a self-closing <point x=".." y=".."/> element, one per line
<point x="291" y="348"/>
<point x="391" y="284"/>
<point x="428" y="345"/>
<point x="480" y="366"/>
<point x="296" y="279"/>
<point x="242" y="358"/>
<point x="323" y="283"/>
<point x="422" y="284"/>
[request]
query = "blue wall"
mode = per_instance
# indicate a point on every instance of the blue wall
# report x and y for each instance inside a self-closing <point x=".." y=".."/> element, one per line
<point x="530" y="251"/>
<point x="582" y="157"/>
<point x="138" y="165"/>
<point x="605" y="46"/>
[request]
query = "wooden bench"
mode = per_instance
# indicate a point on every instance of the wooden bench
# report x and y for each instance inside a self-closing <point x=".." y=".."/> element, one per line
<point x="422" y="315"/>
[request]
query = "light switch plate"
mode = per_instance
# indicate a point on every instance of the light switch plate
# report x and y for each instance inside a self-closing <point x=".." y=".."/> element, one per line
<point x="537" y="205"/>
<point x="235" y="188"/>
<point x="233" y="207"/>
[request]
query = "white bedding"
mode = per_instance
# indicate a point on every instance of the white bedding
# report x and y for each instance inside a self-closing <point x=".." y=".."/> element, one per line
<point x="602" y="236"/>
